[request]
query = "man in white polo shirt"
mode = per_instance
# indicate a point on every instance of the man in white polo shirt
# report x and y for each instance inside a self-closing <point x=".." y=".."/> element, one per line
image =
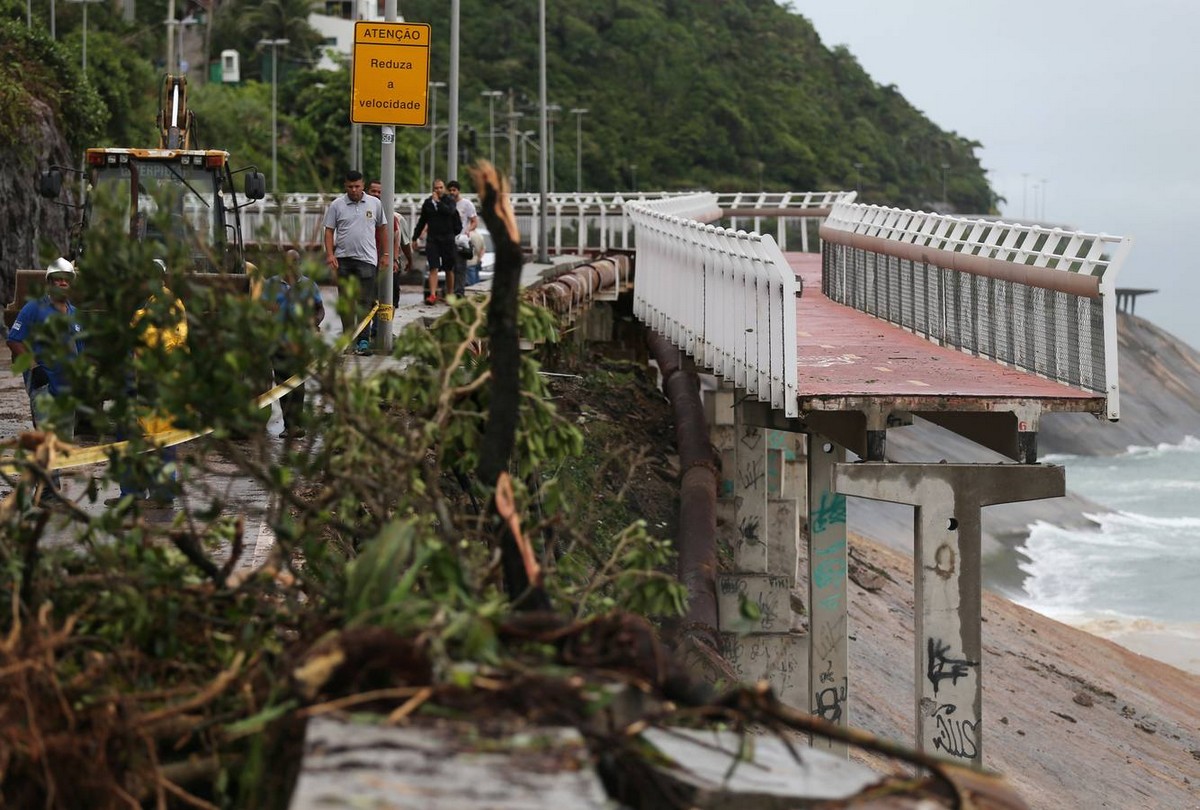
<point x="354" y="226"/>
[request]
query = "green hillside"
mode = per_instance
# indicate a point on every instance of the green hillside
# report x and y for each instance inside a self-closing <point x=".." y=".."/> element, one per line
<point x="717" y="94"/>
<point x="720" y="94"/>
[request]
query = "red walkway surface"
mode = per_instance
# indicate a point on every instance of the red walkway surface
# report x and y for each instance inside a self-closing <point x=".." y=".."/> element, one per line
<point x="845" y="356"/>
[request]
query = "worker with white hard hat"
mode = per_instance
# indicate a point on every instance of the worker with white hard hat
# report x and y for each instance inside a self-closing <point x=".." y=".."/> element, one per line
<point x="32" y="333"/>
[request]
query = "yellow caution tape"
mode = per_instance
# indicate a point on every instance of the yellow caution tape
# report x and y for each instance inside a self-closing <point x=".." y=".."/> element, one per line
<point x="73" y="456"/>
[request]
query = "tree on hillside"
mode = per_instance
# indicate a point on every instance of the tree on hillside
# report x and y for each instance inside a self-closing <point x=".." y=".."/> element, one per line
<point x="711" y="95"/>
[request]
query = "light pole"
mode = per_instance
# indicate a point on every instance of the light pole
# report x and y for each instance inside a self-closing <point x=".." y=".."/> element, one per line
<point x="1024" y="193"/>
<point x="525" y="136"/>
<point x="579" y="112"/>
<point x="551" y="110"/>
<point x="491" y="96"/>
<point x="543" y="256"/>
<point x="274" y="44"/>
<point x="1042" y="215"/>
<point x="433" y="88"/>
<point x="183" y="24"/>
<point x="945" y="166"/>
<point x="83" y="57"/>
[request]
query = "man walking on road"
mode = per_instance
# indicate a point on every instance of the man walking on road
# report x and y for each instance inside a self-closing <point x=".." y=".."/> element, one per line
<point x="354" y="228"/>
<point x="469" y="220"/>
<point x="440" y="215"/>
<point x="401" y="239"/>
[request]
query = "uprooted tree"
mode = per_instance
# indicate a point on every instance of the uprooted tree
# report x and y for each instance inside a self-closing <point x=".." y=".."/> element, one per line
<point x="144" y="656"/>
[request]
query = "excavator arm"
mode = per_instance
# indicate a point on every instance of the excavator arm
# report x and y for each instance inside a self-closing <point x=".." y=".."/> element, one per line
<point x="175" y="120"/>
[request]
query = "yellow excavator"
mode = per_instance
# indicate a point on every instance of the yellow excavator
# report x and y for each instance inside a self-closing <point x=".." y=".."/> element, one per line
<point x="196" y="186"/>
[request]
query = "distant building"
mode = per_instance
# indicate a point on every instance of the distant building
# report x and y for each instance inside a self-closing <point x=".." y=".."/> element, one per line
<point x="336" y="25"/>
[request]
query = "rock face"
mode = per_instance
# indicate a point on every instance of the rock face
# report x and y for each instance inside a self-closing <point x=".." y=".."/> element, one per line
<point x="1160" y="397"/>
<point x="1070" y="719"/>
<point x="30" y="227"/>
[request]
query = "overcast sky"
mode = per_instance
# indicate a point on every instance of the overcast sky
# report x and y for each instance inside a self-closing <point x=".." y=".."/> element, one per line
<point x="1088" y="112"/>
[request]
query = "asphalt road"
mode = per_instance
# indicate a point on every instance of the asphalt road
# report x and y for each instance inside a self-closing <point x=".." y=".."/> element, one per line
<point x="207" y="478"/>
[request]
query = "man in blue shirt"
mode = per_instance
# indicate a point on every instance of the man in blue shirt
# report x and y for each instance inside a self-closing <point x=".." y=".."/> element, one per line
<point x="32" y="332"/>
<point x="297" y="300"/>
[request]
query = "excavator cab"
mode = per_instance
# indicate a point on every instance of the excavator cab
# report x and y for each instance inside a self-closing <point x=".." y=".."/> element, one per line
<point x="175" y="194"/>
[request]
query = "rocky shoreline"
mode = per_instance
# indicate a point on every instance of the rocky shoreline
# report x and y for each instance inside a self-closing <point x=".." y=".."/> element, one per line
<point x="1070" y="719"/>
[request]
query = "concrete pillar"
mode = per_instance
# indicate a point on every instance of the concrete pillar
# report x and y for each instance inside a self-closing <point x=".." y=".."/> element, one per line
<point x="750" y="495"/>
<point x="947" y="576"/>
<point x="829" y="684"/>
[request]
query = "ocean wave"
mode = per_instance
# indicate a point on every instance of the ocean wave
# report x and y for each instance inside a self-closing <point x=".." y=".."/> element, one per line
<point x="1190" y="444"/>
<point x="1122" y="519"/>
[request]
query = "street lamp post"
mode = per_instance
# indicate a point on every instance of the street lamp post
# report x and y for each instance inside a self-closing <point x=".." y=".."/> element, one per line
<point x="525" y="136"/>
<point x="551" y="110"/>
<point x="543" y="256"/>
<point x="433" y="88"/>
<point x="579" y="112"/>
<point x="274" y="44"/>
<point x="491" y="96"/>
<point x="83" y="56"/>
<point x="183" y="25"/>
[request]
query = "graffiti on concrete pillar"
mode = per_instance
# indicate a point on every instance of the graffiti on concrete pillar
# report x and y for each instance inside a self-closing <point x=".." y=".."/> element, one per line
<point x="828" y="701"/>
<point x="829" y="636"/>
<point x="831" y="511"/>
<point x="748" y="530"/>
<point x="955" y="736"/>
<point x="751" y="474"/>
<point x="941" y="667"/>
<point x="945" y="561"/>
<point x="831" y="567"/>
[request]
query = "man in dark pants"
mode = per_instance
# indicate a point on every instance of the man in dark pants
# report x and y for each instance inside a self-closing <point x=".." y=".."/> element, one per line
<point x="46" y="378"/>
<point x="354" y="227"/>
<point x="468" y="219"/>
<point x="440" y="215"/>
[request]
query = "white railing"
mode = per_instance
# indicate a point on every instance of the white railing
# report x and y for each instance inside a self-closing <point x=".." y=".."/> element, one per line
<point x="1036" y="298"/>
<point x="727" y="298"/>
<point x="803" y="209"/>
<point x="580" y="222"/>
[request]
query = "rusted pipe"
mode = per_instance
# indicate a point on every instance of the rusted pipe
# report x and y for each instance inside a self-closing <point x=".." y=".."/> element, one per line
<point x="697" y="544"/>
<point x="577" y="286"/>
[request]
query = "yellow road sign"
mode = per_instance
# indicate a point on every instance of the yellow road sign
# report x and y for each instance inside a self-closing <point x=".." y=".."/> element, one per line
<point x="390" y="73"/>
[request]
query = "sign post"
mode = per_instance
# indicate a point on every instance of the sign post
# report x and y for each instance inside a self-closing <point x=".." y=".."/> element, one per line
<point x="390" y="87"/>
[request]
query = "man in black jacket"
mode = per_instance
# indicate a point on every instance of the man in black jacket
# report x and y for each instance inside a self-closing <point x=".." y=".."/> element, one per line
<point x="440" y="215"/>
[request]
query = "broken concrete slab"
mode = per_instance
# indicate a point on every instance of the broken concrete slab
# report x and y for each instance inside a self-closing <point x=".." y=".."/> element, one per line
<point x="353" y="764"/>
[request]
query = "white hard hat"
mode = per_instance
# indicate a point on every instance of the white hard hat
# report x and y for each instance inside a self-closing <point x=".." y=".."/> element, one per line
<point x="60" y="266"/>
